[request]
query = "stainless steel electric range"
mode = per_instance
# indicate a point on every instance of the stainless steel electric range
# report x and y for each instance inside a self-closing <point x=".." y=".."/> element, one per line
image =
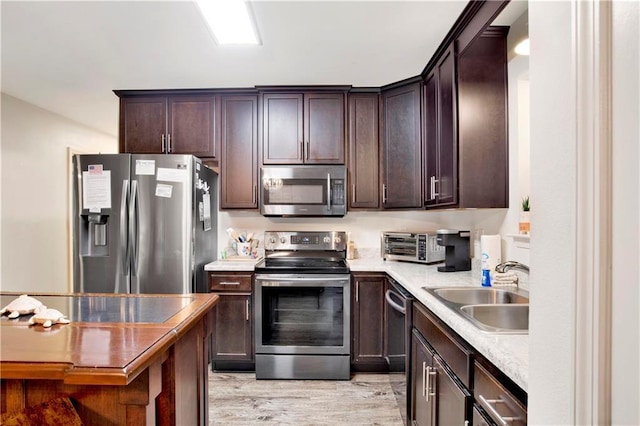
<point x="302" y="307"/>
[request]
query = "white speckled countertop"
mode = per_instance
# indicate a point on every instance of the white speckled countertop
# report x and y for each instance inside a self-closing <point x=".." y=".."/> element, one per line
<point x="508" y="352"/>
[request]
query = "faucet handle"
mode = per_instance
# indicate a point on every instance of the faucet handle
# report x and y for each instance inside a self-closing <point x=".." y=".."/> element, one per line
<point x="510" y="264"/>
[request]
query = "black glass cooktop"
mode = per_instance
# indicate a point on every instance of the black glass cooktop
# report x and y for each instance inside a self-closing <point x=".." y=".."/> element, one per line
<point x="148" y="309"/>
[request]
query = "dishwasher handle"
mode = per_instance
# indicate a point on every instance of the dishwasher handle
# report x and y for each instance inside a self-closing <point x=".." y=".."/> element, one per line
<point x="398" y="307"/>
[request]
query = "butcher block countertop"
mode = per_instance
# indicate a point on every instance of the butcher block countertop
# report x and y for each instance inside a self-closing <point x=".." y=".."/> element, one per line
<point x="111" y="338"/>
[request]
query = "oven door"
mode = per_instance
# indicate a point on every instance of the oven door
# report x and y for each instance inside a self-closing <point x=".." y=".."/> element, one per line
<point x="302" y="314"/>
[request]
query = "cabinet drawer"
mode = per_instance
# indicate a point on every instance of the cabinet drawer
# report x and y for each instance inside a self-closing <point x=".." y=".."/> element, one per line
<point x="496" y="400"/>
<point x="229" y="281"/>
<point x="458" y="357"/>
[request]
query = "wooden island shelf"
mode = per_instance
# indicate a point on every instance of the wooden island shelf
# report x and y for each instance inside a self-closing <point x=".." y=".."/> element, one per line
<point x="123" y="359"/>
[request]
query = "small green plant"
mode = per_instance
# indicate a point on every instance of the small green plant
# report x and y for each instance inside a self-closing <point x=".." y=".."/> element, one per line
<point x="525" y="204"/>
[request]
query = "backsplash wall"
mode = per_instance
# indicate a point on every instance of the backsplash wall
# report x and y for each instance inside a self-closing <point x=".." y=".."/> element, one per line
<point x="365" y="227"/>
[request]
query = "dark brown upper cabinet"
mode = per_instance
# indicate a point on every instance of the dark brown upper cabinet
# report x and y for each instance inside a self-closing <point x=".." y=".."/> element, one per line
<point x="364" y="151"/>
<point x="239" y="151"/>
<point x="168" y="124"/>
<point x="483" y="140"/>
<point x="303" y="128"/>
<point x="440" y="133"/>
<point x="465" y="126"/>
<point x="402" y="147"/>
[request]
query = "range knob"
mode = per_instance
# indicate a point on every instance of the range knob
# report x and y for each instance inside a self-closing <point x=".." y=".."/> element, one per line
<point x="283" y="240"/>
<point x="337" y="240"/>
<point x="326" y="240"/>
<point x="272" y="240"/>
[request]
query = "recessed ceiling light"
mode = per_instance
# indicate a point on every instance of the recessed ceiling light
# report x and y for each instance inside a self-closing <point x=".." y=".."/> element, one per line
<point x="522" y="48"/>
<point x="229" y="20"/>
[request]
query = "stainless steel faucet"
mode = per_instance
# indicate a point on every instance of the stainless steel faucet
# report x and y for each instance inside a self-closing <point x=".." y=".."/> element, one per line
<point x="510" y="264"/>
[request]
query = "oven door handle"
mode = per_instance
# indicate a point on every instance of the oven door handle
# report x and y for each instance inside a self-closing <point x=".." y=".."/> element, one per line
<point x="392" y="303"/>
<point x="293" y="281"/>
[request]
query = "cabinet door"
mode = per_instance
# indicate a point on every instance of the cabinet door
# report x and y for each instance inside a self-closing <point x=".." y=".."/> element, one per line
<point x="324" y="128"/>
<point x="232" y="333"/>
<point x="430" y="122"/>
<point x="143" y="124"/>
<point x="239" y="147"/>
<point x="402" y="150"/>
<point x="441" y="141"/>
<point x="448" y="139"/>
<point x="423" y="411"/>
<point x="483" y="122"/>
<point x="282" y="138"/>
<point x="368" y="322"/>
<point x="452" y="401"/>
<point x="364" y="148"/>
<point x="191" y="123"/>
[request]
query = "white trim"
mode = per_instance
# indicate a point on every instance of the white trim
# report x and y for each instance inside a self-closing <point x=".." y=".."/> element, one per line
<point x="592" y="68"/>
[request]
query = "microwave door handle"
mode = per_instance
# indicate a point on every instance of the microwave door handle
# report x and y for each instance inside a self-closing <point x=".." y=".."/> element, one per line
<point x="329" y="191"/>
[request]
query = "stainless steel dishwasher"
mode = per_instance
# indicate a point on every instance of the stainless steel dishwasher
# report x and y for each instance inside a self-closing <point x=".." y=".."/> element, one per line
<point x="398" y="306"/>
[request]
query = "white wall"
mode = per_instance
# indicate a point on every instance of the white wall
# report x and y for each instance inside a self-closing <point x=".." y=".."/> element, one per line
<point x="626" y="227"/>
<point x="554" y="287"/>
<point x="35" y="213"/>
<point x="553" y="186"/>
<point x="365" y="227"/>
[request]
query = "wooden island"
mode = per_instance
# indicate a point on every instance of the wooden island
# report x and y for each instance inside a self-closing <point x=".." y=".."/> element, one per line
<point x="123" y="359"/>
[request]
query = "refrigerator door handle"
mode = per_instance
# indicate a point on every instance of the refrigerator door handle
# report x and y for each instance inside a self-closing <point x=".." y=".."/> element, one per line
<point x="124" y="248"/>
<point x="134" y="222"/>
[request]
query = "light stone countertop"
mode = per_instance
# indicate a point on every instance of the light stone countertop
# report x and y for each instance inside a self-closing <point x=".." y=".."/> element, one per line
<point x="508" y="352"/>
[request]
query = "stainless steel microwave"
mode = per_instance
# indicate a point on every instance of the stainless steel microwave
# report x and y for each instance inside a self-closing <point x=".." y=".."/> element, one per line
<point x="303" y="190"/>
<point x="420" y="247"/>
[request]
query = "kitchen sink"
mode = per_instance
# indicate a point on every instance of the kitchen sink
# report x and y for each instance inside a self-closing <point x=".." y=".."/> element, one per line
<point x="512" y="318"/>
<point x="490" y="309"/>
<point x="479" y="295"/>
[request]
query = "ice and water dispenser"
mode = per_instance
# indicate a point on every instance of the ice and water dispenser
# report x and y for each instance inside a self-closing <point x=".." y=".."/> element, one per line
<point x="94" y="232"/>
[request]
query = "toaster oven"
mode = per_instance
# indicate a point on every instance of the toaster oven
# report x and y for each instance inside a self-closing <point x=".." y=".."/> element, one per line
<point x="419" y="247"/>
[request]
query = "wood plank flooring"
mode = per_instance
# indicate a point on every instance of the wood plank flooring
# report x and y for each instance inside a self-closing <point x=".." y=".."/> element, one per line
<point x="240" y="399"/>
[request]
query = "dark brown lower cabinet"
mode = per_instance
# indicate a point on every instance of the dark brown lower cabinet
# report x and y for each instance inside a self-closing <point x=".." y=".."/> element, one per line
<point x="232" y="346"/>
<point x="437" y="398"/>
<point x="368" y="323"/>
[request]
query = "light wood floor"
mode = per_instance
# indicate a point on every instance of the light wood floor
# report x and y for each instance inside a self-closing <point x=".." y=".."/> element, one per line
<point x="240" y="399"/>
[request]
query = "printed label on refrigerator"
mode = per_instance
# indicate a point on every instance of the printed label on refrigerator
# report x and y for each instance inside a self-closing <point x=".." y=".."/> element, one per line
<point x="96" y="189"/>
<point x="172" y="175"/>
<point x="163" y="190"/>
<point x="145" y="167"/>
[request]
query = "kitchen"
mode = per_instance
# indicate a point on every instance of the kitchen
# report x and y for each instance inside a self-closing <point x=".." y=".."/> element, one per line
<point x="29" y="135"/>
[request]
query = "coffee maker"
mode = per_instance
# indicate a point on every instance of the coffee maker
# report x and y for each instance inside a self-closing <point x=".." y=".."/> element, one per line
<point x="457" y="250"/>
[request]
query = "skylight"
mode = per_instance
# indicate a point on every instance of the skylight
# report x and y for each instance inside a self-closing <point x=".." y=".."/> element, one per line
<point x="229" y="20"/>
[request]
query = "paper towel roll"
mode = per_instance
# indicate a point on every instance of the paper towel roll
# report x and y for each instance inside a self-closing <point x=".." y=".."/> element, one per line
<point x="491" y="251"/>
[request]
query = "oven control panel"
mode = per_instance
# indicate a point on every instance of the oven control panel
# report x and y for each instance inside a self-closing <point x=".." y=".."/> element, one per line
<point x="289" y="240"/>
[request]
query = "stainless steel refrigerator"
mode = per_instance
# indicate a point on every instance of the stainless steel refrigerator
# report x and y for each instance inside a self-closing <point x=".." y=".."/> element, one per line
<point x="142" y="223"/>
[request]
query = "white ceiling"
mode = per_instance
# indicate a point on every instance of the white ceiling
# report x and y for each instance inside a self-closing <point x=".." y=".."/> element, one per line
<point x="67" y="57"/>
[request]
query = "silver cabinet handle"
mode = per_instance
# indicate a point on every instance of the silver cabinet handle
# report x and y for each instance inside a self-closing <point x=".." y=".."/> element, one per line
<point x="353" y="193"/>
<point x="433" y="181"/>
<point x="427" y="373"/>
<point x="432" y="385"/>
<point x="329" y="191"/>
<point x="247" y="305"/>
<point x="168" y="143"/>
<point x="163" y="143"/>
<point x="489" y="405"/>
<point x="384" y="193"/>
<point x="424" y="379"/>
<point x="308" y="150"/>
<point x="357" y="290"/>
<point x="301" y="150"/>
<point x="255" y="194"/>
<point x="229" y="283"/>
